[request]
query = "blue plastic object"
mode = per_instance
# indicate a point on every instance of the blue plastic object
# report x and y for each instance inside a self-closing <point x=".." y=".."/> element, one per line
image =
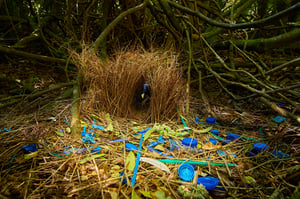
<point x="232" y="136"/>
<point x="215" y="132"/>
<point x="279" y="154"/>
<point x="278" y="119"/>
<point x="189" y="142"/>
<point x="257" y="148"/>
<point x="131" y="147"/>
<point x="210" y="120"/>
<point x="161" y="139"/>
<point x="208" y="182"/>
<point x="186" y="172"/>
<point x="213" y="140"/>
<point x="30" y="147"/>
<point x="96" y="149"/>
<point x="97" y="127"/>
<point x="221" y="153"/>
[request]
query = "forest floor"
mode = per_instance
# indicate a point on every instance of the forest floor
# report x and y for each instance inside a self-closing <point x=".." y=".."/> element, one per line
<point x="248" y="152"/>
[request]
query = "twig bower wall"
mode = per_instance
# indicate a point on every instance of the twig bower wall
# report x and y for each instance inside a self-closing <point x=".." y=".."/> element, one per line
<point x="115" y="85"/>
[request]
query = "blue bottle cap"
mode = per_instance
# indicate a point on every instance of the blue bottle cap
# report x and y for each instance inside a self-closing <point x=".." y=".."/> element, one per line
<point x="131" y="147"/>
<point x="213" y="140"/>
<point x="232" y="136"/>
<point x="208" y="182"/>
<point x="260" y="146"/>
<point x="215" y="131"/>
<point x="210" y="120"/>
<point x="186" y="172"/>
<point x="189" y="142"/>
<point x="280" y="154"/>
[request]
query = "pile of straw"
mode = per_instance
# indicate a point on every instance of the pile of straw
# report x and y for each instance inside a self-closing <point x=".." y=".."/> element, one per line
<point x="115" y="85"/>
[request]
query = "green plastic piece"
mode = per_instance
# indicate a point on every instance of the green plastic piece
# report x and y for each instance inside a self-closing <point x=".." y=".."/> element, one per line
<point x="195" y="162"/>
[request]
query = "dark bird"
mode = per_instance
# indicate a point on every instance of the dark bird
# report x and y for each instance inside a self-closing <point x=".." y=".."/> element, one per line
<point x="145" y="94"/>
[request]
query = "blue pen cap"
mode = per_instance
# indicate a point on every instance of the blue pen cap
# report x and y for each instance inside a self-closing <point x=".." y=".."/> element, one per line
<point x="208" y="182"/>
<point x="232" y="136"/>
<point x="186" y="172"/>
<point x="189" y="142"/>
<point x="131" y="147"/>
<point x="210" y="120"/>
<point x="215" y="132"/>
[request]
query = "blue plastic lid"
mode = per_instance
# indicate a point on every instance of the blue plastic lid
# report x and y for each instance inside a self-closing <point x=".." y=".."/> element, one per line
<point x="260" y="146"/>
<point x="213" y="140"/>
<point x="186" y="172"/>
<point x="210" y="120"/>
<point x="232" y="136"/>
<point x="131" y="147"/>
<point x="215" y="131"/>
<point x="208" y="182"/>
<point x="280" y="154"/>
<point x="189" y="142"/>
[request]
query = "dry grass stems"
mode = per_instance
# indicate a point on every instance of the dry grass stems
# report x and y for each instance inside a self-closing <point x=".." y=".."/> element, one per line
<point x="115" y="85"/>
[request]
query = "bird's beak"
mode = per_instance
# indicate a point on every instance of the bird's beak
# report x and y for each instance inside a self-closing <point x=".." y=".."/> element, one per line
<point x="143" y="95"/>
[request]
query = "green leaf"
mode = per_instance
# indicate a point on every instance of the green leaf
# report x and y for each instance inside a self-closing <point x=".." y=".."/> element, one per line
<point x="61" y="134"/>
<point x="203" y="130"/>
<point x="159" y="194"/>
<point x="31" y="155"/>
<point x="130" y="161"/>
<point x="89" y="158"/>
<point x="134" y="195"/>
<point x="68" y="130"/>
<point x="107" y="117"/>
<point x="146" y="193"/>
<point x="110" y="127"/>
<point x="159" y="147"/>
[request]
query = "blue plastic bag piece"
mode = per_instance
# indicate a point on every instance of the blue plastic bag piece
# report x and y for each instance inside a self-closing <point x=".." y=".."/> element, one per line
<point x="208" y="182"/>
<point x="98" y="127"/>
<point x="131" y="147"/>
<point x="215" y="132"/>
<point x="186" y="172"/>
<point x="279" y="154"/>
<point x="161" y="139"/>
<point x="30" y="147"/>
<point x="173" y="144"/>
<point x="280" y="104"/>
<point x="213" y="140"/>
<point x="96" y="149"/>
<point x="232" y="136"/>
<point x="278" y="119"/>
<point x="221" y="153"/>
<point x="124" y="178"/>
<point x="210" y="120"/>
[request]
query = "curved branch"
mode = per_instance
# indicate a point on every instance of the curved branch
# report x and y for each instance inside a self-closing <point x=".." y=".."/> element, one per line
<point x="253" y="24"/>
<point x="107" y="30"/>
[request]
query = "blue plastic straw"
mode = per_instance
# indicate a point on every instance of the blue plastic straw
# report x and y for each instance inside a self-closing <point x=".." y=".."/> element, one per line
<point x="138" y="158"/>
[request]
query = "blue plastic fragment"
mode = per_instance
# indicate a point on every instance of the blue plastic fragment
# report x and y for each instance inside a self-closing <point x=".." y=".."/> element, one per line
<point x="5" y="129"/>
<point x="279" y="154"/>
<point x="186" y="172"/>
<point x="131" y="147"/>
<point x="278" y="119"/>
<point x="208" y="182"/>
<point x="232" y="136"/>
<point x="98" y="127"/>
<point x="197" y="120"/>
<point x="210" y="120"/>
<point x="124" y="181"/>
<point x="96" y="150"/>
<point x="280" y="104"/>
<point x="189" y="142"/>
<point x="221" y="153"/>
<point x="118" y="140"/>
<point x="161" y="139"/>
<point x="153" y="144"/>
<point x="213" y="140"/>
<point x="215" y="132"/>
<point x="30" y="147"/>
<point x="257" y="148"/>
